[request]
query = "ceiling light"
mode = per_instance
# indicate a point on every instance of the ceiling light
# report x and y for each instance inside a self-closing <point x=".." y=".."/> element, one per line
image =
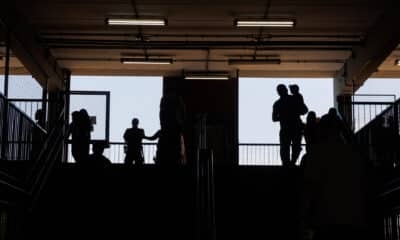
<point x="135" y="22"/>
<point x="156" y="61"/>
<point x="253" y="62"/>
<point x="207" y="76"/>
<point x="397" y="62"/>
<point x="265" y="23"/>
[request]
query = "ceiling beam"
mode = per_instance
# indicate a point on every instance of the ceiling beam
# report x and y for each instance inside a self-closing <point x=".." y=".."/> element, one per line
<point x="127" y="44"/>
<point x="23" y="41"/>
<point x="382" y="38"/>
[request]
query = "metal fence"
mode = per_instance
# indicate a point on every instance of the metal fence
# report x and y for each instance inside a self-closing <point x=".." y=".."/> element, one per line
<point x="391" y="226"/>
<point x="116" y="152"/>
<point x="365" y="112"/>
<point x="250" y="154"/>
<point x="28" y="106"/>
<point x="261" y="154"/>
<point x="20" y="136"/>
<point x="364" y="108"/>
<point x="379" y="138"/>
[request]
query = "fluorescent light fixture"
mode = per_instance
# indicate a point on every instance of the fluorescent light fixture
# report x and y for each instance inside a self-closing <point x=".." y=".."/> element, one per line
<point x="135" y="22"/>
<point x="156" y="61"/>
<point x="397" y="62"/>
<point x="253" y="62"/>
<point x="207" y="76"/>
<point x="265" y="23"/>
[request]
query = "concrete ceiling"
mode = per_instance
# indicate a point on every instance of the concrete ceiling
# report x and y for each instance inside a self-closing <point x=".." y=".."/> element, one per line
<point x="200" y="35"/>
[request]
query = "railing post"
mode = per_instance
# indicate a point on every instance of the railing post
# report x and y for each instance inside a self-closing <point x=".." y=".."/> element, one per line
<point x="4" y="139"/>
<point x="43" y="117"/>
<point x="4" y="145"/>
<point x="7" y="64"/>
<point x="345" y="108"/>
<point x="396" y="117"/>
<point x="20" y="141"/>
<point x="206" y="228"/>
<point x="67" y="96"/>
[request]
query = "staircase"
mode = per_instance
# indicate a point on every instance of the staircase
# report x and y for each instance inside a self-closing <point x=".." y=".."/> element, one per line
<point x="151" y="202"/>
<point x="117" y="203"/>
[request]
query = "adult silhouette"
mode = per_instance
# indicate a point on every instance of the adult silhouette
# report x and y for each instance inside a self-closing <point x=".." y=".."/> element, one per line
<point x="97" y="159"/>
<point x="298" y="100"/>
<point x="80" y="129"/>
<point x="287" y="111"/>
<point x="310" y="135"/>
<point x="133" y="138"/>
<point x="335" y="186"/>
<point x="311" y="130"/>
<point x="332" y="126"/>
<point x="37" y="134"/>
<point x="170" y="146"/>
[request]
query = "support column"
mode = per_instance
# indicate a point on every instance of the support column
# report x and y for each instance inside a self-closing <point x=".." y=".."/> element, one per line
<point x="217" y="101"/>
<point x="342" y="95"/>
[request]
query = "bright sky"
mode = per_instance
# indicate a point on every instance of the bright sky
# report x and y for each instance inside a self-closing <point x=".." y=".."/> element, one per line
<point x="130" y="97"/>
<point x="257" y="95"/>
<point x="381" y="86"/>
<point x="140" y="97"/>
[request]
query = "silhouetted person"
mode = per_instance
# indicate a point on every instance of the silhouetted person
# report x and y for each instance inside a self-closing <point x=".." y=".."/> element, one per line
<point x="335" y="187"/>
<point x="287" y="112"/>
<point x="311" y="130"/>
<point x="170" y="146"/>
<point x="333" y="127"/>
<point x="310" y="134"/>
<point x="133" y="138"/>
<point x="38" y="135"/>
<point x="40" y="118"/>
<point x="80" y="129"/>
<point x="97" y="159"/>
<point x="298" y="99"/>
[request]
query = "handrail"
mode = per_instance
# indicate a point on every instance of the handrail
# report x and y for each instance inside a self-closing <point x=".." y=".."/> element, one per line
<point x="9" y="101"/>
<point x="49" y="141"/>
<point x="31" y="186"/>
<point x="6" y="179"/>
<point x="56" y="138"/>
<point x="205" y="191"/>
<point x="363" y="112"/>
<point x="384" y="112"/>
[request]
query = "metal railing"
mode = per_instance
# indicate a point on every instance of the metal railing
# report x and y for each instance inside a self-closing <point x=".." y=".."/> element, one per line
<point x="28" y="106"/>
<point x="262" y="154"/>
<point x="17" y="134"/>
<point x="381" y="138"/>
<point x="116" y="152"/>
<point x="250" y="154"/>
<point x="20" y="136"/>
<point x="365" y="112"/>
<point x="364" y="108"/>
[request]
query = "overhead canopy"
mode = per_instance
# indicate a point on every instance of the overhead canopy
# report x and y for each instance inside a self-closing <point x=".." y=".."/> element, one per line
<point x="201" y="35"/>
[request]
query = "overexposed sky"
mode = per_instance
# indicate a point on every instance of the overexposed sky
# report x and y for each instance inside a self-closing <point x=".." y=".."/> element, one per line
<point x="140" y="97"/>
<point x="131" y="97"/>
<point x="257" y="95"/>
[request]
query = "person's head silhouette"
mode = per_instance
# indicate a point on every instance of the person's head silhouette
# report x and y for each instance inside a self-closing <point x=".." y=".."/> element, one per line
<point x="75" y="116"/>
<point x="98" y="147"/>
<point x="38" y="114"/>
<point x="135" y="123"/>
<point x="294" y="88"/>
<point x="282" y="90"/>
<point x="311" y="117"/>
<point x="332" y="113"/>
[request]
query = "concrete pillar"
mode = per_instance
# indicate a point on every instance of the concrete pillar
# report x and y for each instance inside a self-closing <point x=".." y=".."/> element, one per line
<point x="342" y="95"/>
<point x="217" y="103"/>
